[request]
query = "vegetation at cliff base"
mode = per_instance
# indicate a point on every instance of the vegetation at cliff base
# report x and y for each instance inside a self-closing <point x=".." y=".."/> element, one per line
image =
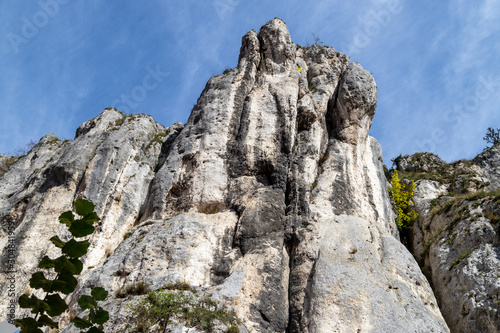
<point x="401" y="197"/>
<point x="162" y="306"/>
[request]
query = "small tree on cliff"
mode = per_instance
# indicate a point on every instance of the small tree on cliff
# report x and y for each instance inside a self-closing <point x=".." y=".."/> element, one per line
<point x="492" y="136"/>
<point x="401" y="197"/>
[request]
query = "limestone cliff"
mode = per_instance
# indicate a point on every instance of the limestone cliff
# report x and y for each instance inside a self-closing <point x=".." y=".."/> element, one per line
<point x="456" y="237"/>
<point x="271" y="198"/>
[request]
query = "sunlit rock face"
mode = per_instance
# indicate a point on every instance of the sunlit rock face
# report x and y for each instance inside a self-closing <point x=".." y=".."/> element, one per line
<point x="456" y="236"/>
<point x="271" y="199"/>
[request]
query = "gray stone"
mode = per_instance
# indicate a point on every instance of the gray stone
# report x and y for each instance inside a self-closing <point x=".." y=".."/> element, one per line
<point x="355" y="105"/>
<point x="419" y="162"/>
<point x="489" y="161"/>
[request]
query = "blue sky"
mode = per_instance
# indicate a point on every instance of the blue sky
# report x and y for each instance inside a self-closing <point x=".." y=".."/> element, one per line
<point x="436" y="64"/>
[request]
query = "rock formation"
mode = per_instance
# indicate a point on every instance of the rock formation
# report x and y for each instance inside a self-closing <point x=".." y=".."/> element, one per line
<point x="456" y="237"/>
<point x="271" y="199"/>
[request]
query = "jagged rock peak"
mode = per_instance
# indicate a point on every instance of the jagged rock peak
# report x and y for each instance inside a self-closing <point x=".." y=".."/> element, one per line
<point x="250" y="49"/>
<point x="271" y="49"/>
<point x="277" y="49"/>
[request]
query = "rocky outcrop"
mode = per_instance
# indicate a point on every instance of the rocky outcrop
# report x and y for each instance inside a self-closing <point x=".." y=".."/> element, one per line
<point x="6" y="162"/>
<point x="489" y="161"/>
<point x="456" y="237"/>
<point x="111" y="162"/>
<point x="272" y="200"/>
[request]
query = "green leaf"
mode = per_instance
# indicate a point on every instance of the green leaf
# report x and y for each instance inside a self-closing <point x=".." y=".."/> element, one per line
<point x="87" y="302"/>
<point x="46" y="321"/>
<point x="63" y="265"/>
<point x="67" y="218"/>
<point x="60" y="286"/>
<point x="75" y="249"/>
<point x="37" y="305"/>
<point x="94" y="330"/>
<point x="25" y="302"/>
<point x="66" y="283"/>
<point x="92" y="217"/>
<point x="28" y="325"/>
<point x="83" y="207"/>
<point x="81" y="323"/>
<point x="81" y="228"/>
<point x="38" y="281"/>
<point x="46" y="263"/>
<point x="78" y="265"/>
<point x="57" y="305"/>
<point x="99" y="293"/>
<point x="100" y="316"/>
<point x="57" y="242"/>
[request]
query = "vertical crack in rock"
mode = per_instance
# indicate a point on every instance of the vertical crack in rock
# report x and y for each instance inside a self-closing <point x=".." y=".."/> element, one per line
<point x="330" y="113"/>
<point x="166" y="147"/>
<point x="174" y="132"/>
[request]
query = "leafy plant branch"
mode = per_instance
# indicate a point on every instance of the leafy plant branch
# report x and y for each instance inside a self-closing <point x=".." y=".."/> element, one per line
<point x="66" y="266"/>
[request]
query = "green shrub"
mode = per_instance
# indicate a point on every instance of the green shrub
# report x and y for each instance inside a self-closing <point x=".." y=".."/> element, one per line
<point x="458" y="200"/>
<point x="128" y="234"/>
<point x="494" y="218"/>
<point x="160" y="307"/>
<point x="434" y="202"/>
<point x="314" y="185"/>
<point x="179" y="285"/>
<point x="157" y="138"/>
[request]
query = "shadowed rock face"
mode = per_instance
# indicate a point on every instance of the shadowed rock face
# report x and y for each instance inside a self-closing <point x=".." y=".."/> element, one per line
<point x="272" y="199"/>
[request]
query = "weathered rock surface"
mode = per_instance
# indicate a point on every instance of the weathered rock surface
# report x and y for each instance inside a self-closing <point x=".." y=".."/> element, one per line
<point x="272" y="199"/>
<point x="456" y="236"/>
<point x="489" y="161"/>
<point x="419" y="162"/>
<point x="111" y="162"/>
<point x="6" y="162"/>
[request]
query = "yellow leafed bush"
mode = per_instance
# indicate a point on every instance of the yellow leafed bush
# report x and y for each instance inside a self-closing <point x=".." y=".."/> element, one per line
<point x="401" y="197"/>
